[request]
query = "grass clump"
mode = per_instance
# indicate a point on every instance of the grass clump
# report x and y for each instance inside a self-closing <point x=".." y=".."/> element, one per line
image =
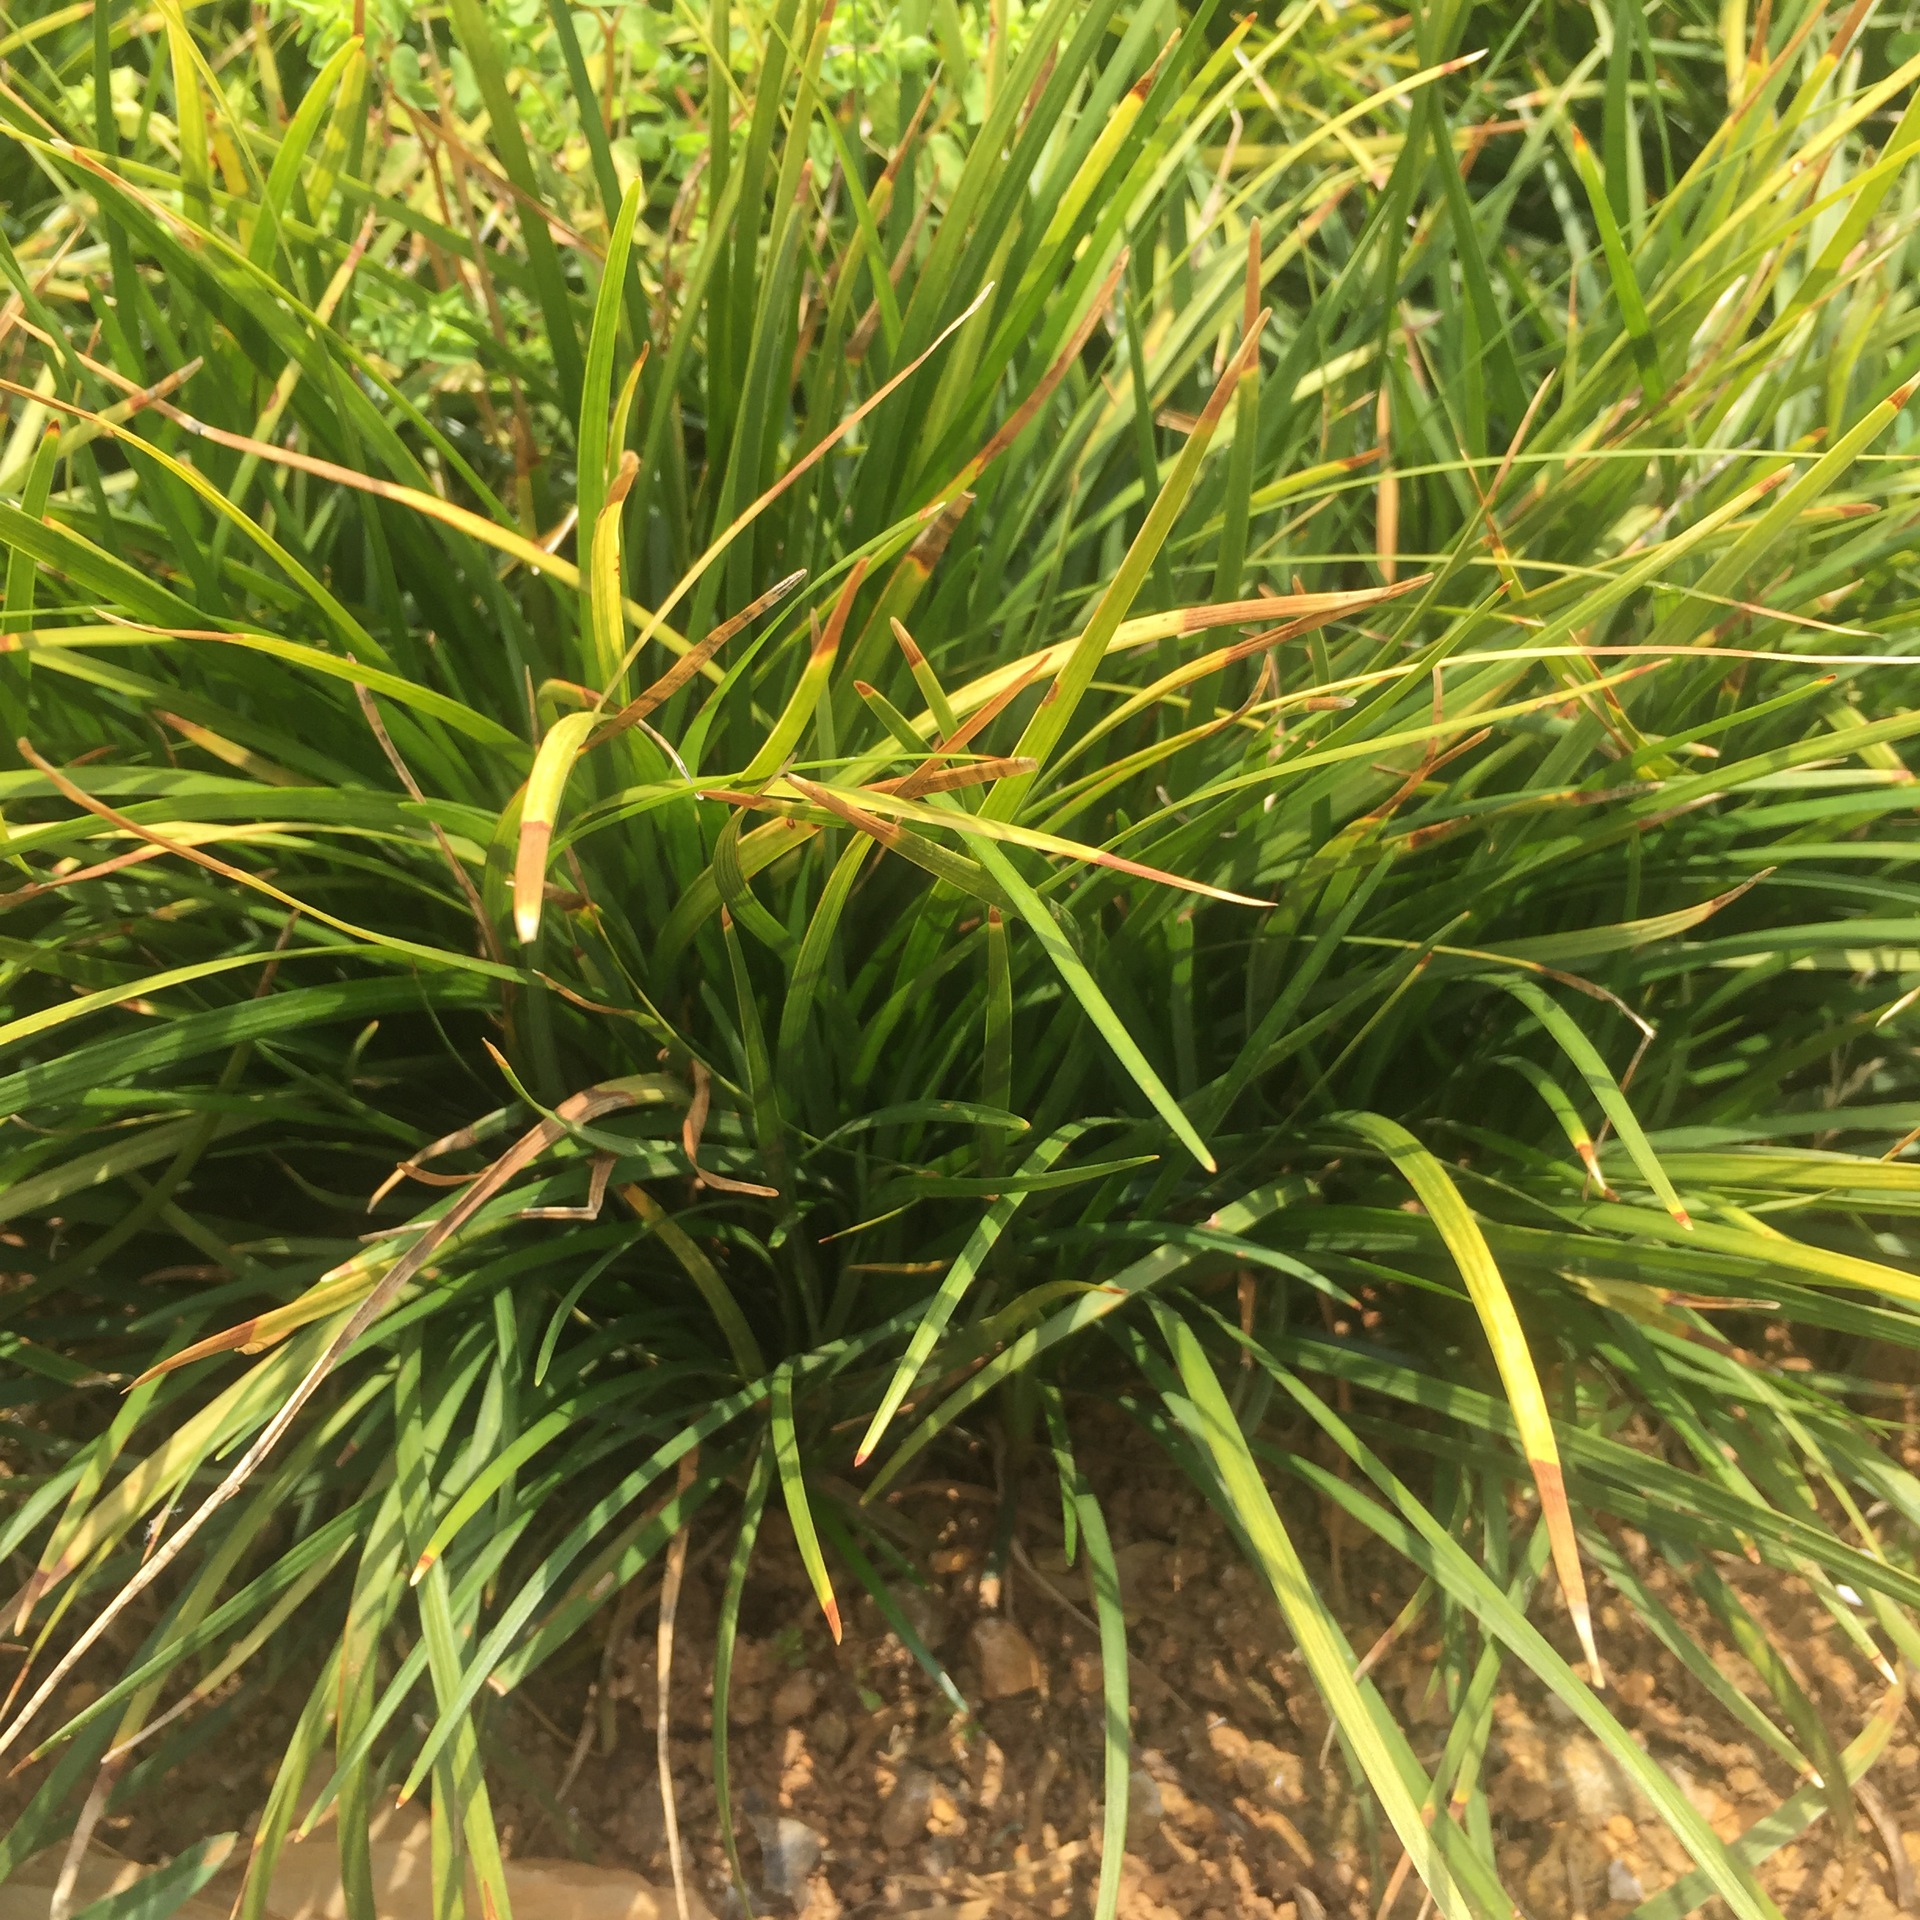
<point x="1074" y="705"/>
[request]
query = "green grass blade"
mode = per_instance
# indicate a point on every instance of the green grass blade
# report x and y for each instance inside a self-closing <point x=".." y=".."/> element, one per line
<point x="954" y="1285"/>
<point x="793" y="1489"/>
<point x="1586" y="1061"/>
<point x="1322" y="1645"/>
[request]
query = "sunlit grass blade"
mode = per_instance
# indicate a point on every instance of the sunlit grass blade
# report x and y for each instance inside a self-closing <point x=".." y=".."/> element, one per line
<point x="1729" y="1877"/>
<point x="1051" y="720"/>
<point x="1441" y="1199"/>
<point x="1324" y="1648"/>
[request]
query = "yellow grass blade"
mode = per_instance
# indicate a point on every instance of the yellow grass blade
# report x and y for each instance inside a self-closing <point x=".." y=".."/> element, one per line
<point x="1434" y="1188"/>
<point x="539" y="807"/>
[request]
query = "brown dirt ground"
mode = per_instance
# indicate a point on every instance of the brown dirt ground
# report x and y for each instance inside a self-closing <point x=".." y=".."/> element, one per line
<point x="1238" y="1807"/>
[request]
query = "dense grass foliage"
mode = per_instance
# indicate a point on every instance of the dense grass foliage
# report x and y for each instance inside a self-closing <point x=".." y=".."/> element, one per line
<point x="1023" y="708"/>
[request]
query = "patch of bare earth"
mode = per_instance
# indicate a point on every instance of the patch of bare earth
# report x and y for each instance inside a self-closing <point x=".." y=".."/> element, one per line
<point x="859" y="1789"/>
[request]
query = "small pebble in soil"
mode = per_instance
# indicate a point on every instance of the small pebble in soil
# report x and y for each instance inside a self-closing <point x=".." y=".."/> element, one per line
<point x="829" y="1733"/>
<point x="1623" y="1884"/>
<point x="904" y="1818"/>
<point x="794" y="1697"/>
<point x="789" y="1852"/>
<point x="1008" y="1662"/>
<point x="1590" y="1779"/>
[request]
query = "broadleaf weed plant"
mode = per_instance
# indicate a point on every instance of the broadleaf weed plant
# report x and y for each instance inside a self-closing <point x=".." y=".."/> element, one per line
<point x="981" y="735"/>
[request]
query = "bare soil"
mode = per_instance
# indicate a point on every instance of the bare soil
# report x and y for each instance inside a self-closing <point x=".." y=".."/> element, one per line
<point x="1240" y="1804"/>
